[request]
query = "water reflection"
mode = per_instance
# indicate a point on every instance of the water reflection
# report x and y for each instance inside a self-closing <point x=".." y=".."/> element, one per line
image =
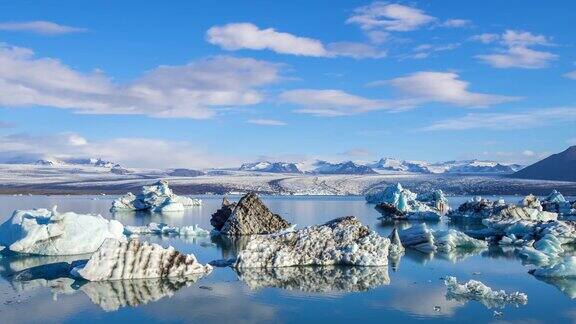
<point x="316" y="279"/>
<point x="230" y="245"/>
<point x="113" y="295"/>
<point x="565" y="285"/>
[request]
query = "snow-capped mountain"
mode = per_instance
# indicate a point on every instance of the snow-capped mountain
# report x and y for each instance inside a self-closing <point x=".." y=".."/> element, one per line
<point x="454" y="167"/>
<point x="49" y="161"/>
<point x="349" y="167"/>
<point x="274" y="167"/>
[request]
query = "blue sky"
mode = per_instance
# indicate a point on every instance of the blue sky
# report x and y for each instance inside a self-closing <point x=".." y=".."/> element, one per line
<point x="199" y="83"/>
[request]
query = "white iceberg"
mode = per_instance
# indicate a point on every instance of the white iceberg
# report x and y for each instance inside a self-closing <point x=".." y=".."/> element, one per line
<point x="138" y="260"/>
<point x="48" y="232"/>
<point x="565" y="267"/>
<point x="342" y="241"/>
<point x="164" y="229"/>
<point x="476" y="290"/>
<point x="423" y="239"/>
<point x="156" y="198"/>
<point x="397" y="202"/>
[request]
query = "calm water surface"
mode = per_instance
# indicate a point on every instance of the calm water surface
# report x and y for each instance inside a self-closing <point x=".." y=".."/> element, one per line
<point x="410" y="291"/>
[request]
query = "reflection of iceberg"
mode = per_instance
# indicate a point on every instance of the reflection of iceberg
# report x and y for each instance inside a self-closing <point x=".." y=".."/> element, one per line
<point x="316" y="279"/>
<point x="476" y="290"/>
<point x="112" y="295"/>
<point x="230" y="245"/>
<point x="565" y="285"/>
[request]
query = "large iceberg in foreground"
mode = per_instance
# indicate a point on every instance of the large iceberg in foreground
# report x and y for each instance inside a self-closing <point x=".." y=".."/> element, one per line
<point x="476" y="290"/>
<point x="249" y="216"/>
<point x="48" y="232"/>
<point x="342" y="241"/>
<point x="400" y="203"/>
<point x="138" y="260"/>
<point x="156" y="198"/>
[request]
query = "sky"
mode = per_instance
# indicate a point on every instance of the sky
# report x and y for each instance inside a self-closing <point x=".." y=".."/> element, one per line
<point x="214" y="84"/>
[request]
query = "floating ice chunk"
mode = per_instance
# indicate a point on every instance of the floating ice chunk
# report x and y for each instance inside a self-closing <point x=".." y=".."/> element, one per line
<point x="47" y="232"/>
<point x="476" y="290"/>
<point x="556" y="203"/>
<point x="316" y="279"/>
<point x="421" y="238"/>
<point x="397" y="202"/>
<point x="451" y="239"/>
<point x="477" y="208"/>
<point x="531" y="201"/>
<point x="138" y="260"/>
<point x="164" y="229"/>
<point x="418" y="237"/>
<point x="396" y="247"/>
<point x="342" y="241"/>
<point x="565" y="267"/>
<point x="156" y="198"/>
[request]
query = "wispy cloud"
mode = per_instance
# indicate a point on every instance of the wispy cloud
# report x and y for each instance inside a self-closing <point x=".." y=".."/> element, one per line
<point x="195" y="90"/>
<point x="425" y="50"/>
<point x="389" y="17"/>
<point x="267" y="122"/>
<point x="357" y="152"/>
<point x="40" y="27"/>
<point x="507" y="121"/>
<point x="237" y="36"/>
<point x="456" y="23"/>
<point x="414" y="90"/>
<point x="330" y="102"/>
<point x="570" y="75"/>
<point x="131" y="152"/>
<point x="444" y="87"/>
<point x="515" y="52"/>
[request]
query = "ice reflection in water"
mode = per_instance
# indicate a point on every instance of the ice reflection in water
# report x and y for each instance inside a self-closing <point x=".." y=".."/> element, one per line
<point x="316" y="279"/>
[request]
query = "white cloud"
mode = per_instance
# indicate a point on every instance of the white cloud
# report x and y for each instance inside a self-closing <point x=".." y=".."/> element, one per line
<point x="355" y="50"/>
<point x="266" y="122"/>
<point x="40" y="27"/>
<point x="330" y="103"/>
<point x="357" y="152"/>
<point x="195" y="90"/>
<point x="445" y="87"/>
<point x="507" y="121"/>
<point x="389" y="17"/>
<point x="414" y="89"/>
<point x="425" y="50"/>
<point x="456" y="23"/>
<point x="131" y="152"/>
<point x="236" y="36"/>
<point x="516" y="52"/>
<point x="570" y="75"/>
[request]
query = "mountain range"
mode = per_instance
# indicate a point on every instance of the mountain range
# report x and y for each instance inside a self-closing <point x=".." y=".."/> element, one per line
<point x="384" y="165"/>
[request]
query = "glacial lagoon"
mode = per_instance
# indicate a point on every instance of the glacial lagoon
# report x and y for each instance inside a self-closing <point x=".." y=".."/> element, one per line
<point x="32" y="288"/>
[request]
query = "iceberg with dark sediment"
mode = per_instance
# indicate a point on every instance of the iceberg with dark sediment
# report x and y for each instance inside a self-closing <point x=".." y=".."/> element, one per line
<point x="155" y="198"/>
<point x="138" y="260"/>
<point x="399" y="203"/>
<point x="316" y="279"/>
<point x="342" y="241"/>
<point x="476" y="290"/>
<point x="164" y="229"/>
<point x="247" y="217"/>
<point x="477" y="208"/>
<point x="48" y="232"/>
